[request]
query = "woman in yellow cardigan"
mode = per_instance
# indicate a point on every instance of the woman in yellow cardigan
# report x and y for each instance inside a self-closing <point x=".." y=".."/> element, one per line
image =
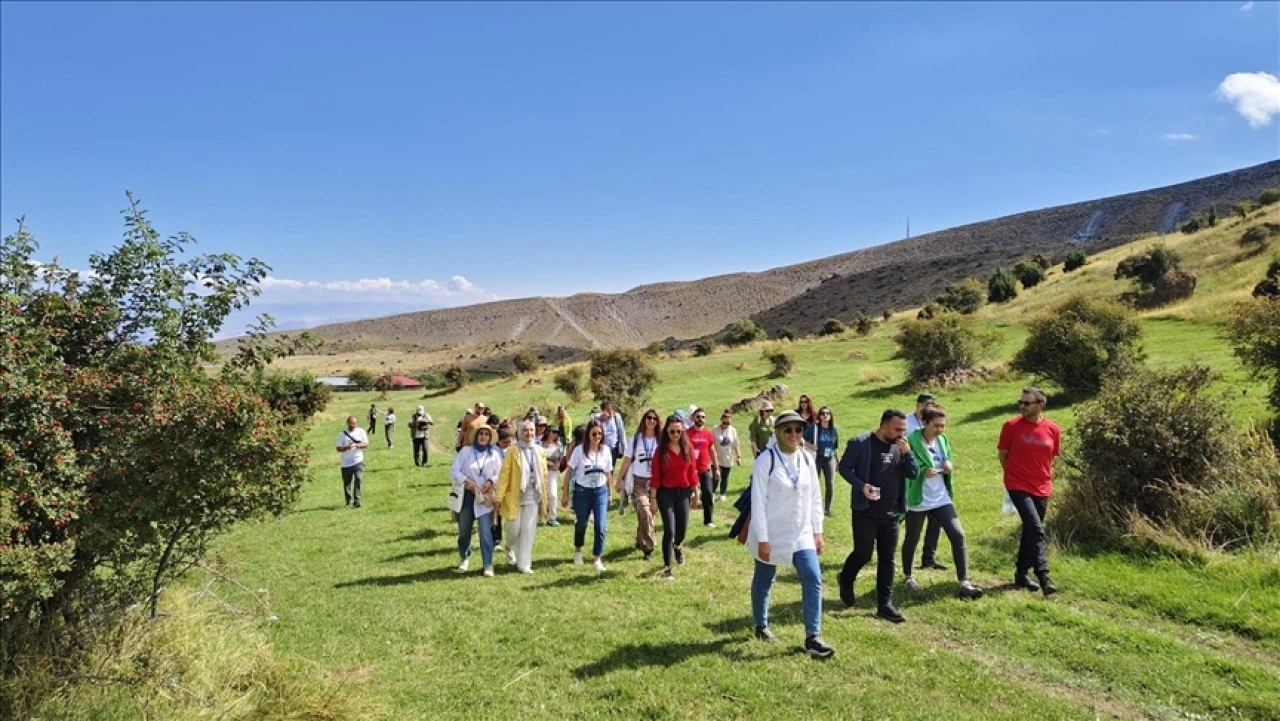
<point x="522" y="494"/>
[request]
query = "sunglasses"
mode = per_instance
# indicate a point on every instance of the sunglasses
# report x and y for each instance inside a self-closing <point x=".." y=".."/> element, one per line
<point x="651" y="418"/>
<point x="1028" y="403"/>
<point x="825" y="413"/>
<point x="597" y="435"/>
<point x="674" y="432"/>
<point x="793" y="429"/>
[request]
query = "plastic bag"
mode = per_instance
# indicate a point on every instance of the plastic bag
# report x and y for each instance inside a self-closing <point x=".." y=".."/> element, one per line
<point x="1007" y="506"/>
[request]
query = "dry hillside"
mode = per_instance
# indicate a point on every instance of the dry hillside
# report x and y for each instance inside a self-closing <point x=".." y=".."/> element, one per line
<point x="895" y="275"/>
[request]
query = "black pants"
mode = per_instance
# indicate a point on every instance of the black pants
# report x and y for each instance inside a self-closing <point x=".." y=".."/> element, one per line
<point x="946" y="518"/>
<point x="929" y="554"/>
<point x="707" y="484"/>
<point x="373" y="424"/>
<point x="419" y="444"/>
<point x="827" y="466"/>
<point x="881" y="535"/>
<point x="724" y="479"/>
<point x="673" y="506"/>
<point x="1032" y="555"/>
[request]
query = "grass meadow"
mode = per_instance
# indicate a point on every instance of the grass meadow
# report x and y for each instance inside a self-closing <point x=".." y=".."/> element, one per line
<point x="369" y="606"/>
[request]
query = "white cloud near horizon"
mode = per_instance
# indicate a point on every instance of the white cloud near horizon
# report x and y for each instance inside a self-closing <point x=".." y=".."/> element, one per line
<point x="1256" y="96"/>
<point x="1179" y="136"/>
<point x="457" y="288"/>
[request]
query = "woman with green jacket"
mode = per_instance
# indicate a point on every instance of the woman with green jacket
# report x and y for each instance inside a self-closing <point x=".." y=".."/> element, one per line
<point x="929" y="494"/>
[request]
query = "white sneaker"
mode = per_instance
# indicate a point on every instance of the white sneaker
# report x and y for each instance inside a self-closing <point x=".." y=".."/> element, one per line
<point x="527" y="571"/>
<point x="709" y="525"/>
<point x="599" y="564"/>
<point x="577" y="558"/>
<point x="488" y="571"/>
<point x="511" y="557"/>
<point x="466" y="563"/>
<point x="723" y="498"/>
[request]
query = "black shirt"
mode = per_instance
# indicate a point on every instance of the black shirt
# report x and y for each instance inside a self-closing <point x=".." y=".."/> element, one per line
<point x="886" y="472"/>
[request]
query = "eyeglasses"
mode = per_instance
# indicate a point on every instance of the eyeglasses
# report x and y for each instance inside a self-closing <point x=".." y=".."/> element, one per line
<point x="597" y="434"/>
<point x="1028" y="403"/>
<point x="793" y="429"/>
<point x="674" y="432"/>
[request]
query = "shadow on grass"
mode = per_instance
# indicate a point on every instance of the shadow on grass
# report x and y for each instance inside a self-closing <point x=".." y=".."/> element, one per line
<point x="435" y="574"/>
<point x="646" y="655"/>
<point x="450" y="551"/>
<point x="903" y="390"/>
<point x="334" y="507"/>
<point x="425" y="534"/>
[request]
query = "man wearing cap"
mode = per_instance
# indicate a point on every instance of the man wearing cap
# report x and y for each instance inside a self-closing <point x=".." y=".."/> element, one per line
<point x="929" y="552"/>
<point x="761" y="428"/>
<point x="419" y="430"/>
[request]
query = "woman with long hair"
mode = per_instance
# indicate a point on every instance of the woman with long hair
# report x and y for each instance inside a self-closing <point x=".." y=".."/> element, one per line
<point x="474" y="473"/>
<point x="674" y="478"/>
<point x="805" y="409"/>
<point x="636" y="459"/>
<point x="522" y="493"/>
<point x="821" y="438"/>
<point x="591" y="469"/>
<point x="553" y="449"/>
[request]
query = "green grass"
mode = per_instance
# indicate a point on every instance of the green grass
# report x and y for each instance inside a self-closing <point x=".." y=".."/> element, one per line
<point x="369" y="600"/>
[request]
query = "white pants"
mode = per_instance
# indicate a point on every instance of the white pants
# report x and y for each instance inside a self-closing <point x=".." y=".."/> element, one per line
<point x="520" y="535"/>
<point x="553" y="495"/>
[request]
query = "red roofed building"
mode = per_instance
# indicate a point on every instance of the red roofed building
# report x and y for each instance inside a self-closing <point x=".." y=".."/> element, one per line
<point x="405" y="381"/>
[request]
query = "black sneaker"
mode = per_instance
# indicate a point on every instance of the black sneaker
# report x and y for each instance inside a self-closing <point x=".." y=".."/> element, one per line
<point x="934" y="565"/>
<point x="764" y="634"/>
<point x="846" y="591"/>
<point x="817" y="648"/>
<point x="648" y="555"/>
<point x="969" y="593"/>
<point x="1047" y="585"/>
<point x="1022" y="581"/>
<point x="668" y="574"/>
<point x="679" y="556"/>
<point x="889" y="613"/>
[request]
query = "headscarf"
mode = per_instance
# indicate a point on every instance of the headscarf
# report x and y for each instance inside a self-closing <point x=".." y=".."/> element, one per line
<point x="475" y="439"/>
<point x="528" y="449"/>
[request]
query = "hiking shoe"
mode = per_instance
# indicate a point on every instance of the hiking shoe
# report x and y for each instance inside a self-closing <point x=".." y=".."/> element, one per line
<point x="969" y="592"/>
<point x="599" y="564"/>
<point x="668" y="574"/>
<point x="1047" y="585"/>
<point x="889" y="613"/>
<point x="709" y="524"/>
<point x="764" y="634"/>
<point x="553" y="523"/>
<point x="466" y="563"/>
<point x="577" y="558"/>
<point x="817" y="648"/>
<point x="934" y="565"/>
<point x="723" y="498"/>
<point x="511" y="557"/>
<point x="1022" y="581"/>
<point x="527" y="571"/>
<point x="846" y="591"/>
<point x="488" y="571"/>
<point x="679" y="556"/>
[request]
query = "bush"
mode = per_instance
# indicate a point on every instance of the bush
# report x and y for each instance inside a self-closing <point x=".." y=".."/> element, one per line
<point x="570" y="382"/>
<point x="940" y="345"/>
<point x="1192" y="226"/>
<point x="1269" y="287"/>
<point x="1002" y="287"/>
<point x="832" y="326"/>
<point x="1041" y="260"/>
<point x="742" y="332"/>
<point x="386" y="383"/>
<point x="1253" y="329"/>
<point x="1156" y="454"/>
<point x="862" y="325"/>
<point x="964" y="297"/>
<point x="624" y="376"/>
<point x="1029" y="273"/>
<point x="123" y="457"/>
<point x="929" y="310"/>
<point x="1148" y="268"/>
<point x="1257" y="235"/>
<point x="703" y="347"/>
<point x="361" y="379"/>
<point x="1076" y="260"/>
<point x="296" y="396"/>
<point x="887" y="314"/>
<point x="525" y="362"/>
<point x="781" y="362"/>
<point x="787" y="333"/>
<point x="1242" y="209"/>
<point x="457" y="377"/>
<point x="1269" y="196"/>
<point x="1080" y="343"/>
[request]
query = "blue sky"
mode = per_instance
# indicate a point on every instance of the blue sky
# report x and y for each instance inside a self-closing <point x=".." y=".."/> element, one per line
<point x="393" y="157"/>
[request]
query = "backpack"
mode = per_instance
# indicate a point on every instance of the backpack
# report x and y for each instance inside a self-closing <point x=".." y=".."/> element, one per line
<point x="739" y="528"/>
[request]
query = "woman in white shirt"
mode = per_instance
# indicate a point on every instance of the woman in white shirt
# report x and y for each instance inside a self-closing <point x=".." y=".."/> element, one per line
<point x="389" y="425"/>
<point x="474" y="473"/>
<point x="636" y="458"/>
<point x="786" y="528"/>
<point x="522" y="493"/>
<point x="590" y="470"/>
<point x="728" y="452"/>
<point x="553" y="449"/>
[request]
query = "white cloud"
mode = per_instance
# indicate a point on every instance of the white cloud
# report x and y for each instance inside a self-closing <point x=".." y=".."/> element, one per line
<point x="1103" y="131"/>
<point x="1246" y="7"/>
<point x="456" y="289"/>
<point x="1256" y="96"/>
<point x="1179" y="136"/>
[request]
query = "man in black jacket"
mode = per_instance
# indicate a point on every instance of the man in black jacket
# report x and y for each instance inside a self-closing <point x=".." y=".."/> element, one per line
<point x="877" y="464"/>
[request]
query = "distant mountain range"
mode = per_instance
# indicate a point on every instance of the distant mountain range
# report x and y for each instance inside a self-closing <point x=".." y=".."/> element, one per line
<point x="800" y="297"/>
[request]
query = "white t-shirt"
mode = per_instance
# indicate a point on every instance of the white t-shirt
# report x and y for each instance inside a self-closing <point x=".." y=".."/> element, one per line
<point x="640" y="450"/>
<point x="726" y="442"/>
<point x="913" y="423"/>
<point x="935" y="488"/>
<point x="591" y="471"/>
<point x="390" y="419"/>
<point x="355" y="455"/>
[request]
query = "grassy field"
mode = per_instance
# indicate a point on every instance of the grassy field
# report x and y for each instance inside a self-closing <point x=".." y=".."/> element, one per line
<point x="370" y="601"/>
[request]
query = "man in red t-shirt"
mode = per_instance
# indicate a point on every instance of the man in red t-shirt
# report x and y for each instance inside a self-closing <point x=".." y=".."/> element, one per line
<point x="1027" y="446"/>
<point x="703" y="444"/>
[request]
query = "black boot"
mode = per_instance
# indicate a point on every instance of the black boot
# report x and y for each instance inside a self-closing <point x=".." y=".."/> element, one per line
<point x="1046" y="583"/>
<point x="1022" y="581"/>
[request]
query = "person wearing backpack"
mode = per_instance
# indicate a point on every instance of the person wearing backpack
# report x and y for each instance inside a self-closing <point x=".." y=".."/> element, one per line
<point x="786" y="528"/>
<point x="637" y="460"/>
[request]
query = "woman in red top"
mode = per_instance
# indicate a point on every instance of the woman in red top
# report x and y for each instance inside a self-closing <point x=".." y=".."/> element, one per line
<point x="672" y="484"/>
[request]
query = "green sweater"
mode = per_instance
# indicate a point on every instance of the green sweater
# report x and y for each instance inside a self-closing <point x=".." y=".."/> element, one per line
<point x="915" y="486"/>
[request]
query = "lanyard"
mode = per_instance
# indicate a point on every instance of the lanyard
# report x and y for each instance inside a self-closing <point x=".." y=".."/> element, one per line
<point x="792" y="475"/>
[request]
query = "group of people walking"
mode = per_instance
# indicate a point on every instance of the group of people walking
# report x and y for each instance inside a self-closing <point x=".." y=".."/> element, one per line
<point x="519" y="474"/>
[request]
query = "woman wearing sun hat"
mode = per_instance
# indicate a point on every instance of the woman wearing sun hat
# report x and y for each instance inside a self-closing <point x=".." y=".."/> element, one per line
<point x="474" y="474"/>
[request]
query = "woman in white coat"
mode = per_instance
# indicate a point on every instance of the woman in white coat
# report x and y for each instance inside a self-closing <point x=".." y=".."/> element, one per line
<point x="475" y="474"/>
<point x="786" y="528"/>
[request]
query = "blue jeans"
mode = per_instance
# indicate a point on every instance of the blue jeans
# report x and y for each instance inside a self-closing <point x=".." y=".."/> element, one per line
<point x="585" y="502"/>
<point x="806" y="563"/>
<point x="466" y="520"/>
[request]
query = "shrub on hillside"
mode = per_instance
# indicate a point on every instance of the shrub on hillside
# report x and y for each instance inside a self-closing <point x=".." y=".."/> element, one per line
<point x="781" y="363"/>
<point x="787" y="333"/>
<point x="457" y="377"/>
<point x="887" y="314"/>
<point x="1259" y="236"/>
<point x="1193" y="226"/>
<point x="742" y="332"/>
<point x="525" y="362"/>
<point x="297" y="396"/>
<point x="1147" y="268"/>
<point x="1080" y="343"/>
<point x="361" y="379"/>
<point x="1253" y="329"/>
<point x="948" y="343"/>
<point x="862" y="325"/>
<point x="1158" y="457"/>
<point x="1269" y="287"/>
<point x="964" y="297"/>
<point x="833" y="326"/>
<point x="570" y="382"/>
<point x="1076" y="260"/>
<point x="1029" y="273"/>
<point x="929" y="310"/>
<point x="1002" y="286"/>
<point x="1269" y="196"/>
<point x="703" y="347"/>
<point x="1242" y="209"/>
<point x="624" y="376"/>
<point x="1042" y="260"/>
